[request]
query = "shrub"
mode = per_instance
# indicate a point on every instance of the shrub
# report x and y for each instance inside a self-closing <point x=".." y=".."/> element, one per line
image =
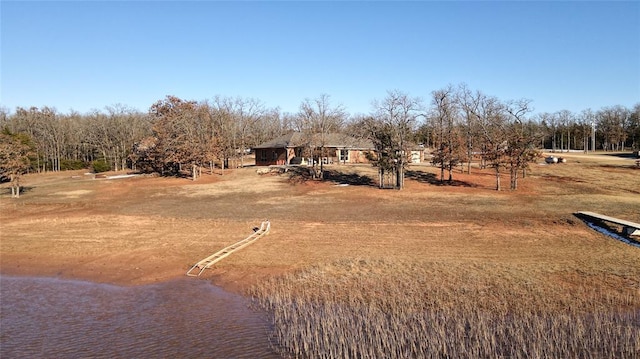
<point x="72" y="165"/>
<point x="100" y="166"/>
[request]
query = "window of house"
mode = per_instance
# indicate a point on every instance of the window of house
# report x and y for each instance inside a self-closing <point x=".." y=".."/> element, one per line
<point x="263" y="155"/>
<point x="274" y="154"/>
<point x="344" y="155"/>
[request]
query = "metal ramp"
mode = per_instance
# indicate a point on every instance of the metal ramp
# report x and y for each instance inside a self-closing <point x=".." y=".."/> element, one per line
<point x="199" y="267"/>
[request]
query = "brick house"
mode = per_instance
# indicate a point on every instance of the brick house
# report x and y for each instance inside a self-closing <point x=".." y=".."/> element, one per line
<point x="289" y="149"/>
<point x="283" y="150"/>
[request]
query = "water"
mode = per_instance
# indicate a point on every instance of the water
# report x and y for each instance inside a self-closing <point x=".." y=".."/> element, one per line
<point x="187" y="318"/>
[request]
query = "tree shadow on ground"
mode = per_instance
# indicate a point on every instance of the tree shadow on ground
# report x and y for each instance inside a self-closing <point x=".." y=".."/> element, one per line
<point x="352" y="179"/>
<point x="629" y="155"/>
<point x="430" y="178"/>
<point x="304" y="174"/>
<point x="622" y="166"/>
<point x="23" y="190"/>
<point x="298" y="174"/>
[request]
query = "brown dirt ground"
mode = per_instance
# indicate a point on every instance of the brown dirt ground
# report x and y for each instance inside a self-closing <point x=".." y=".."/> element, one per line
<point x="146" y="229"/>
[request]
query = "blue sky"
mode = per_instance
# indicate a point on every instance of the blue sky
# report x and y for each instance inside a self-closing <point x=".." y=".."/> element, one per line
<point x="85" y="55"/>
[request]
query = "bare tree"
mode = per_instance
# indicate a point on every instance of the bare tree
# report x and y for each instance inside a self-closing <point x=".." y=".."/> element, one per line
<point x="634" y="127"/>
<point x="126" y="126"/>
<point x="468" y="103"/>
<point x="522" y="137"/>
<point x="44" y="127"/>
<point x="611" y="122"/>
<point x="272" y="124"/>
<point x="355" y="125"/>
<point x="493" y="127"/>
<point x="74" y="152"/>
<point x="246" y="114"/>
<point x="396" y="115"/>
<point x="4" y="117"/>
<point x="564" y="120"/>
<point x="288" y="122"/>
<point x="24" y="120"/>
<point x="212" y="144"/>
<point x="449" y="150"/>
<point x="386" y="154"/>
<point x="317" y="119"/>
<point x="550" y="122"/>
<point x="586" y="122"/>
<point x="221" y="109"/>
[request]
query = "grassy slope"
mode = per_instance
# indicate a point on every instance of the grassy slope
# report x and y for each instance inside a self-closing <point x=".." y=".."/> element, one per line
<point x="142" y="230"/>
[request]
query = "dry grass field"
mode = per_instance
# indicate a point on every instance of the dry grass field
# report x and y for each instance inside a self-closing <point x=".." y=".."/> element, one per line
<point x="508" y="254"/>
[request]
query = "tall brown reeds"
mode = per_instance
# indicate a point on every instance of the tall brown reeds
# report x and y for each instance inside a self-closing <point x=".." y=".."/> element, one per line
<point x="386" y="309"/>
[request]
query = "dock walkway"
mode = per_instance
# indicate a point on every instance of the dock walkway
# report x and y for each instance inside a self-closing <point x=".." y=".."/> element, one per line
<point x="199" y="267"/>
<point x="628" y="228"/>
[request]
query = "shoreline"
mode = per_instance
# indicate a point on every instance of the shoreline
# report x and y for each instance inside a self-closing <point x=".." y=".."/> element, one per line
<point x="229" y="284"/>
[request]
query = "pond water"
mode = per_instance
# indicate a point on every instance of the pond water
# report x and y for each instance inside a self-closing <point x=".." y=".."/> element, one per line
<point x="186" y="318"/>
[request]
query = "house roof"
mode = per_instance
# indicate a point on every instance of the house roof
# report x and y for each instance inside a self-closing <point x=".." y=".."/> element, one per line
<point x="291" y="139"/>
<point x="337" y="140"/>
<point x="341" y="140"/>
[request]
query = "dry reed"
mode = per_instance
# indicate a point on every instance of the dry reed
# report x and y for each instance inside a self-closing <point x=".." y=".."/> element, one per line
<point x="385" y="309"/>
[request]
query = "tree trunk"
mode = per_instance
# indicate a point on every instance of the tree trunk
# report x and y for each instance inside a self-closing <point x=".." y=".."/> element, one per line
<point x="15" y="186"/>
<point x="241" y="153"/>
<point x="514" y="178"/>
<point x="497" y="178"/>
<point x="399" y="176"/>
<point x="13" y="189"/>
<point x="321" y="163"/>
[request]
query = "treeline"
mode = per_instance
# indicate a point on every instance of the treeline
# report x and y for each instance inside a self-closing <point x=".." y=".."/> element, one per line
<point x="460" y="125"/>
<point x="110" y="138"/>
<point x="176" y="136"/>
